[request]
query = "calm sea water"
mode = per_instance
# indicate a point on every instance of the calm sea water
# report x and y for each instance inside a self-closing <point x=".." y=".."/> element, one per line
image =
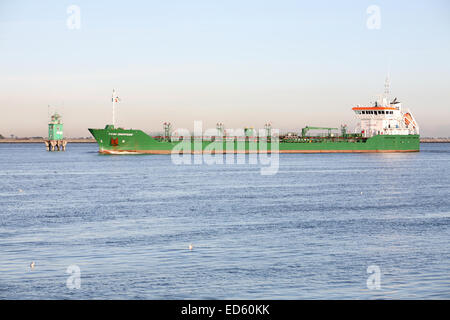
<point x="308" y="232"/>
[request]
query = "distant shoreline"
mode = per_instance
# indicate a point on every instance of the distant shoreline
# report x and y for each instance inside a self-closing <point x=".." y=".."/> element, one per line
<point x="435" y="140"/>
<point x="74" y="140"/>
<point x="31" y="140"/>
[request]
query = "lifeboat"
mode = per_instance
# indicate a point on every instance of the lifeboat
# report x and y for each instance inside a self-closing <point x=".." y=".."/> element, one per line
<point x="407" y="117"/>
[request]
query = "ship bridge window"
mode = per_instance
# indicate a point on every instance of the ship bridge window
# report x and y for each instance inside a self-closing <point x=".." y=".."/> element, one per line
<point x="364" y="112"/>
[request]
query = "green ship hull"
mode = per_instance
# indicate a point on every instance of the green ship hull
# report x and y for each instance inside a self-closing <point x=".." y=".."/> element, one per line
<point x="128" y="141"/>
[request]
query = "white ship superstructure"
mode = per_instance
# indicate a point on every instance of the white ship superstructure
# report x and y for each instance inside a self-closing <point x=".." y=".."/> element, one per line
<point x="385" y="118"/>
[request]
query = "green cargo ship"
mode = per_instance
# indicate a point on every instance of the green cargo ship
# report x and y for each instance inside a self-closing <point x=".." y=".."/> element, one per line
<point x="382" y="127"/>
<point x="122" y="141"/>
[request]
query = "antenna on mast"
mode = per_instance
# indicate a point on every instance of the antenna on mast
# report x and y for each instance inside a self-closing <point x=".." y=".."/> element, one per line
<point x="387" y="89"/>
<point x="114" y="99"/>
<point x="387" y="86"/>
<point x="113" y="105"/>
<point x="387" y="83"/>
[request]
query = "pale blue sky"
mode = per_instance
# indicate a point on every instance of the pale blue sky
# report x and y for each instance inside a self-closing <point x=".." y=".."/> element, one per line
<point x="239" y="62"/>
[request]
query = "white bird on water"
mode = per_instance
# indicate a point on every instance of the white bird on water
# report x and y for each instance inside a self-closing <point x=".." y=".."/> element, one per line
<point x="32" y="264"/>
<point x="191" y="247"/>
